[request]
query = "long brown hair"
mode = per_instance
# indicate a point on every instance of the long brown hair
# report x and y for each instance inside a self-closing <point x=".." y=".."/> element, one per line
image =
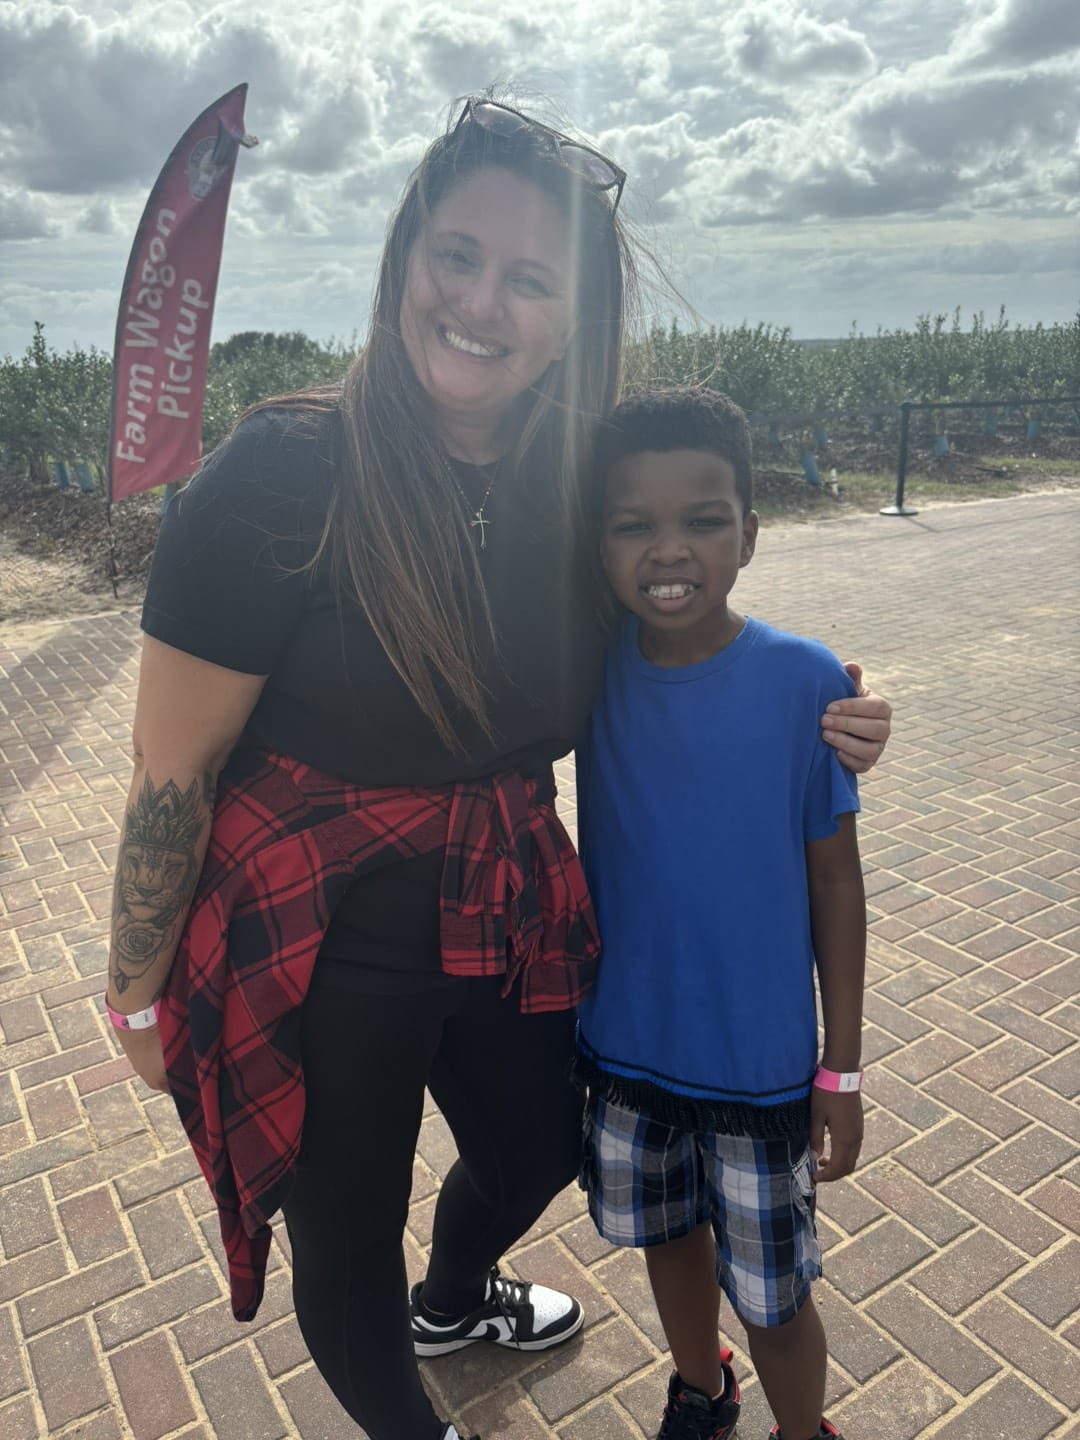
<point x="396" y="533"/>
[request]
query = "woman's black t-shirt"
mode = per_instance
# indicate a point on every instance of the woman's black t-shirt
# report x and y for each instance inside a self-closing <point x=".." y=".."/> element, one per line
<point x="231" y="583"/>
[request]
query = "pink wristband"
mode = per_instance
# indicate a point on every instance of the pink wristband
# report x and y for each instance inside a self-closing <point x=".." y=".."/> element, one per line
<point x="137" y="1020"/>
<point x="843" y="1082"/>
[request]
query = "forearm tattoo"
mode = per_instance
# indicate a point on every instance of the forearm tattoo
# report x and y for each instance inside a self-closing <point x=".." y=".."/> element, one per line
<point x="156" y="872"/>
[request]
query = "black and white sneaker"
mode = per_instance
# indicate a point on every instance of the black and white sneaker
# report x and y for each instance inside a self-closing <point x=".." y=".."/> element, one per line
<point x="451" y="1434"/>
<point x="514" y="1313"/>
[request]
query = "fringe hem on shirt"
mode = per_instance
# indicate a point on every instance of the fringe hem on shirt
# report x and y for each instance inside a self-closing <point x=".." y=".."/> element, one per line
<point x="789" y="1120"/>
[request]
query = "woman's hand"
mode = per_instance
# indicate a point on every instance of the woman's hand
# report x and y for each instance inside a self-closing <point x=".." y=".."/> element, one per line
<point x="859" y="728"/>
<point x="143" y="1050"/>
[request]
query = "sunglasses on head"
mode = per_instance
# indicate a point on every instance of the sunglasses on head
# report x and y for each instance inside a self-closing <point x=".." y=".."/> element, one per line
<point x="501" y="120"/>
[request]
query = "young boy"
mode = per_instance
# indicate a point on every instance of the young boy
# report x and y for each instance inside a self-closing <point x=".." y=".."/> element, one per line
<point x="718" y="835"/>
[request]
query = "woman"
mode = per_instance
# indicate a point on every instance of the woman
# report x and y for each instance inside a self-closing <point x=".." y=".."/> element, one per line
<point x="368" y="636"/>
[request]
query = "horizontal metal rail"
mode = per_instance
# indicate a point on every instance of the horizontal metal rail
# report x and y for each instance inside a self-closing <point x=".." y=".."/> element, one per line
<point x="817" y="418"/>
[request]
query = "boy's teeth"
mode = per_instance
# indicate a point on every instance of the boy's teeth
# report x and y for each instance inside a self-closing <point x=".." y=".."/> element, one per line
<point x="670" y="592"/>
<point x="471" y="347"/>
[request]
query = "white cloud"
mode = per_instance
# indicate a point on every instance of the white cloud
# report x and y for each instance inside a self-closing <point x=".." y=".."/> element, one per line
<point x="282" y="203"/>
<point x="323" y="139"/>
<point x="1015" y="33"/>
<point x="24" y="217"/>
<point x="779" y="42"/>
<point x="658" y="156"/>
<point x="763" y="117"/>
<point x="86" y="109"/>
<point x="99" y="218"/>
<point x="933" y="113"/>
<point x="933" y="138"/>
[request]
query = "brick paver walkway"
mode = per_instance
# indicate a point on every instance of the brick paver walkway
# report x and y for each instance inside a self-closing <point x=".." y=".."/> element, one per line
<point x="952" y="1259"/>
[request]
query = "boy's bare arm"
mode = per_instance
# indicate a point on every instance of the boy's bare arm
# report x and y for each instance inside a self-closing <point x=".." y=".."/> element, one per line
<point x="838" y="923"/>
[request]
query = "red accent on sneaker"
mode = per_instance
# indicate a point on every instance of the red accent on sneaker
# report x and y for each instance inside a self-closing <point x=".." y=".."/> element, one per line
<point x="726" y="1358"/>
<point x="826" y="1431"/>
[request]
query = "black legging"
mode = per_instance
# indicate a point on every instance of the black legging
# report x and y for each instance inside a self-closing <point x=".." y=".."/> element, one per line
<point x="500" y="1080"/>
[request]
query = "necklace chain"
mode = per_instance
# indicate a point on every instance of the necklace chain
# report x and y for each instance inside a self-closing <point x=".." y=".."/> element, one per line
<point x="478" y="513"/>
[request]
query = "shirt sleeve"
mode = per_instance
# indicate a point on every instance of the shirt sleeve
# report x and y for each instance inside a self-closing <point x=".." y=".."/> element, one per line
<point x="228" y="581"/>
<point x="832" y="789"/>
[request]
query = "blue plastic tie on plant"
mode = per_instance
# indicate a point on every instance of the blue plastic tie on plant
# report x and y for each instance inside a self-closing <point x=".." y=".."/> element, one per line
<point x="810" y="470"/>
<point x="84" y="477"/>
<point x="774" y="435"/>
<point x="990" y="425"/>
<point x="61" y="474"/>
<point x="821" y="439"/>
<point x="1033" y="428"/>
<point x="941" y="445"/>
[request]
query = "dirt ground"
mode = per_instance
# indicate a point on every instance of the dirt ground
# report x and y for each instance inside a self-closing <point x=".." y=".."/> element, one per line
<point x="55" y="551"/>
<point x="57" y="557"/>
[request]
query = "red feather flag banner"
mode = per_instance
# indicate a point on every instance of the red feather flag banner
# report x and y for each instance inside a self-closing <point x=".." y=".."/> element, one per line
<point x="167" y="304"/>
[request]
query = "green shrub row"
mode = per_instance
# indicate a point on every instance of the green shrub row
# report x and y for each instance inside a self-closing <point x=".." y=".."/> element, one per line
<point x="54" y="406"/>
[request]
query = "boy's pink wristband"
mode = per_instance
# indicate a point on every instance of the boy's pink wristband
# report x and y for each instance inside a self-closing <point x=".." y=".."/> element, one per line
<point x="137" y="1020"/>
<point x="843" y="1082"/>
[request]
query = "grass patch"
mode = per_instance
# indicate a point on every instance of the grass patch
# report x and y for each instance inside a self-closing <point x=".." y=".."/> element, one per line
<point x="1039" y="465"/>
<point x="863" y="493"/>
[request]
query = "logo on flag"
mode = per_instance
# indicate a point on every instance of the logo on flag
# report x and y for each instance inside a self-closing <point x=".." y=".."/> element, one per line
<point x="211" y="160"/>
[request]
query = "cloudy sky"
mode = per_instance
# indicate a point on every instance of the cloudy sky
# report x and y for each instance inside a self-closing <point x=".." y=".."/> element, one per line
<point x="803" y="162"/>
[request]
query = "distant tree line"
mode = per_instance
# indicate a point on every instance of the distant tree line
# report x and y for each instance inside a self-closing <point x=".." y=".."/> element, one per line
<point x="55" y="405"/>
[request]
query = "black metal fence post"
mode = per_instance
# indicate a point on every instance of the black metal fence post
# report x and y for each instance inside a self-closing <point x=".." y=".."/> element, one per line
<point x="897" y="508"/>
<point x="803" y="418"/>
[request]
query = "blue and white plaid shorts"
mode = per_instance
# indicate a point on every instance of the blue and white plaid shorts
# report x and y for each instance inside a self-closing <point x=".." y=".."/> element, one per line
<point x="649" y="1183"/>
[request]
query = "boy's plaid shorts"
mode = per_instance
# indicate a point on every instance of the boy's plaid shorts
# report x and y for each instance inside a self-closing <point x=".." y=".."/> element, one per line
<point x="648" y="1183"/>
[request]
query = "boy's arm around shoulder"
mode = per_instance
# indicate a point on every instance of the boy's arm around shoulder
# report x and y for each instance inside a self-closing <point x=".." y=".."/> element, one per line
<point x="838" y="924"/>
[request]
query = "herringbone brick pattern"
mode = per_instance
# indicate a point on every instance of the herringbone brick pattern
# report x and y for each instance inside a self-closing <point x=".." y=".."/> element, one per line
<point x="952" y="1259"/>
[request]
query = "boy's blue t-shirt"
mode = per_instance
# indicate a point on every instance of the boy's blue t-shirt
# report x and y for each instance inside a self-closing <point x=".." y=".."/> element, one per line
<point x="698" y="789"/>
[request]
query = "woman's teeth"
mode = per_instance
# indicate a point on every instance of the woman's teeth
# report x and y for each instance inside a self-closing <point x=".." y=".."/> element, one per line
<point x="669" y="592"/>
<point x="470" y="347"/>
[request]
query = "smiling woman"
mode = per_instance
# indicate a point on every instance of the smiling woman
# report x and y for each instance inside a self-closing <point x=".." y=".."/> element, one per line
<point x="487" y="302"/>
<point x="370" y="631"/>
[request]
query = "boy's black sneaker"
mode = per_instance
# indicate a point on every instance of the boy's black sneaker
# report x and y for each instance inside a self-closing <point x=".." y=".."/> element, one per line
<point x="514" y="1313"/>
<point x="828" y="1431"/>
<point x="690" y="1414"/>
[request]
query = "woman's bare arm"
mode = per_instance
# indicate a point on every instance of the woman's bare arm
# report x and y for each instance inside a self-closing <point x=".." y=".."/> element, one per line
<point x="188" y="716"/>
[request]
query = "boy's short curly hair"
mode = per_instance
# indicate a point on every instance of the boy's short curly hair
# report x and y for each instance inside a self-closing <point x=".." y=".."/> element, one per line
<point x="677" y="419"/>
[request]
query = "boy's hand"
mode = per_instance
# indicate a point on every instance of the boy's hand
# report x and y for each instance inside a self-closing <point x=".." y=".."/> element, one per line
<point x="842" y="1116"/>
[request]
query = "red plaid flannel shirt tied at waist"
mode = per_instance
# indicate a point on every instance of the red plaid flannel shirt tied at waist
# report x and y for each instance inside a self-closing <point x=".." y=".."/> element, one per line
<point x="286" y="844"/>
